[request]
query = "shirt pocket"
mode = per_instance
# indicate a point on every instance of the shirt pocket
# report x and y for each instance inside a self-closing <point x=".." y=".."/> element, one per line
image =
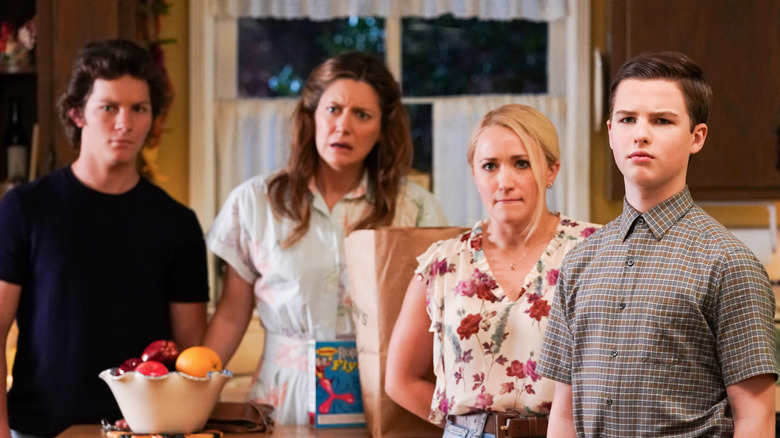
<point x="662" y="340"/>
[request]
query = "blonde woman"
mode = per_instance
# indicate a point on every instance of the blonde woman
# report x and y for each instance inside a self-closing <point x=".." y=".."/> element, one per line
<point x="485" y="295"/>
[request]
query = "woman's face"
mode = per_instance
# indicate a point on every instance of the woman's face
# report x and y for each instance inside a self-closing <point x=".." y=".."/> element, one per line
<point x="503" y="175"/>
<point x="348" y="122"/>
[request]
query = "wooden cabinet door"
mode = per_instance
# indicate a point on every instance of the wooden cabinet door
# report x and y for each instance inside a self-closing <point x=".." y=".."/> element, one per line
<point x="64" y="26"/>
<point x="737" y="44"/>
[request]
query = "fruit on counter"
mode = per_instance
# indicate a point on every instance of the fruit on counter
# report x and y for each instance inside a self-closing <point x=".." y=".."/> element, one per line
<point x="198" y="361"/>
<point x="161" y="351"/>
<point x="152" y="368"/>
<point x="128" y="365"/>
<point x="121" y="425"/>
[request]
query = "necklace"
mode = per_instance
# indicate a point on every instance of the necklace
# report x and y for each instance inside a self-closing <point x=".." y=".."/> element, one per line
<point x="504" y="256"/>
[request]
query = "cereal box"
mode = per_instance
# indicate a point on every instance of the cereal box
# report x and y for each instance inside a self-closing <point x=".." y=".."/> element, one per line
<point x="334" y="391"/>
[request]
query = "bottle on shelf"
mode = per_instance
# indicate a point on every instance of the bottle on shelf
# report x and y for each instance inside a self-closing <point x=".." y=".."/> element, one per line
<point x="16" y="145"/>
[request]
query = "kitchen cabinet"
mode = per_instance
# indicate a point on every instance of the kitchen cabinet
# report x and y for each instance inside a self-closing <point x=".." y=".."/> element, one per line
<point x="17" y="81"/>
<point x="63" y="27"/>
<point x="737" y="44"/>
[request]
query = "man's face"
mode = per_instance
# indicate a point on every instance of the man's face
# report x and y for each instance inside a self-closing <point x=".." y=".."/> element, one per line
<point x="115" y="121"/>
<point x="650" y="137"/>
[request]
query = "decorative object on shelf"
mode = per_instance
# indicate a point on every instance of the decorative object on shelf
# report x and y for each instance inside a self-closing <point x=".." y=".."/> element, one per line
<point x="17" y="44"/>
<point x="150" y="13"/>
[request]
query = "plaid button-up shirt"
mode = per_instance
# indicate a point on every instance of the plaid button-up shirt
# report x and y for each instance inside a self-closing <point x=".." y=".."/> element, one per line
<point x="655" y="315"/>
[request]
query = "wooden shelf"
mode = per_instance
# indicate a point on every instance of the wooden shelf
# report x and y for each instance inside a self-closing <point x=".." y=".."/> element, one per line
<point x="12" y="71"/>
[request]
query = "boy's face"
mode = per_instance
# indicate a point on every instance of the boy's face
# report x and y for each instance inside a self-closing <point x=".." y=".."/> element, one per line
<point x="115" y="121"/>
<point x="650" y="137"/>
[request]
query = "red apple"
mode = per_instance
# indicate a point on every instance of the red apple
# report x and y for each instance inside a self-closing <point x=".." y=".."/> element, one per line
<point x="128" y="365"/>
<point x="152" y="368"/>
<point x="161" y="351"/>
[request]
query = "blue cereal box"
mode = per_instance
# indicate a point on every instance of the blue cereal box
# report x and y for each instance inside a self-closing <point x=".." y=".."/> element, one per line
<point x="335" y="399"/>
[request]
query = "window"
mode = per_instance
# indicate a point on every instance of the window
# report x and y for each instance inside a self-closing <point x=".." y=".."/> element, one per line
<point x="443" y="56"/>
<point x="276" y="56"/>
<point x="448" y="56"/>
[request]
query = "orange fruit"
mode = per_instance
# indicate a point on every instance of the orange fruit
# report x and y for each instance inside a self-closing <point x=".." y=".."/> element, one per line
<point x="198" y="361"/>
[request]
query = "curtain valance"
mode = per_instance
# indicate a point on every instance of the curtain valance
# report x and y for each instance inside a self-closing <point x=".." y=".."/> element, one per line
<point x="534" y="10"/>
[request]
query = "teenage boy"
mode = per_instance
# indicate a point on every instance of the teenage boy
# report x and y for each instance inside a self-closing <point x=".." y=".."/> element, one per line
<point x="95" y="261"/>
<point x="662" y="324"/>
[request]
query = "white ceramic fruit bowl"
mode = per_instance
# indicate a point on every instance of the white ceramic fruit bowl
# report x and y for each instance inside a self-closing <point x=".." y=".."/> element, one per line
<point x="173" y="403"/>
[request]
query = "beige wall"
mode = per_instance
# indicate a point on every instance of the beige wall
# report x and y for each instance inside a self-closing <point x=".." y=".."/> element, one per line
<point x="602" y="210"/>
<point x="173" y="152"/>
<point x="173" y="156"/>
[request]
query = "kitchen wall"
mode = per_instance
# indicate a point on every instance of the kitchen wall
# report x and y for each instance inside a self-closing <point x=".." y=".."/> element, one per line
<point x="173" y="151"/>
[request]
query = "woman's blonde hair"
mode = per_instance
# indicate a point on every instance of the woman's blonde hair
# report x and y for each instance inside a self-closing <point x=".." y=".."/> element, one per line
<point x="540" y="138"/>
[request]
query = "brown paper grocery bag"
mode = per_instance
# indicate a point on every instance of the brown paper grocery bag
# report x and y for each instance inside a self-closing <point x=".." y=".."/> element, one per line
<point x="380" y="265"/>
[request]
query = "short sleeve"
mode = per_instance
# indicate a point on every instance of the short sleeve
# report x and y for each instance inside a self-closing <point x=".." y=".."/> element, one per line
<point x="555" y="359"/>
<point x="231" y="236"/>
<point x="746" y="346"/>
<point x="424" y="262"/>
<point x="418" y="207"/>
<point x="431" y="214"/>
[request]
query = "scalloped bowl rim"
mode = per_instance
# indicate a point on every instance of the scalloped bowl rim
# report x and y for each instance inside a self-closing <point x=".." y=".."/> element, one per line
<point x="171" y="403"/>
<point x="109" y="373"/>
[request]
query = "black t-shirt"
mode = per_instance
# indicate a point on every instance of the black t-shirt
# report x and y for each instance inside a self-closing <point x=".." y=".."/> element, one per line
<point x="97" y="273"/>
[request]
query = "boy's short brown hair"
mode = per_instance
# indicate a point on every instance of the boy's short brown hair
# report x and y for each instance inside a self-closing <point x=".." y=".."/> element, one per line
<point x="672" y="66"/>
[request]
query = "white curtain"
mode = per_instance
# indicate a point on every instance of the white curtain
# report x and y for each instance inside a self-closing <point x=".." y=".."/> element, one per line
<point x="535" y="10"/>
<point x="453" y="120"/>
<point x="252" y="138"/>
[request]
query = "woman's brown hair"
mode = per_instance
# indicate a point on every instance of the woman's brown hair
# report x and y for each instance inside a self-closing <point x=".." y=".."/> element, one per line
<point x="386" y="165"/>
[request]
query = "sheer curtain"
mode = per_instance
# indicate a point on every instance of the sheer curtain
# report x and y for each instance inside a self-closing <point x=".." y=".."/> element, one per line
<point x="453" y="120"/>
<point x="252" y="139"/>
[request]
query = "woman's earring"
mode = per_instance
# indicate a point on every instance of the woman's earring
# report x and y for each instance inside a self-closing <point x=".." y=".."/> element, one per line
<point x="549" y="186"/>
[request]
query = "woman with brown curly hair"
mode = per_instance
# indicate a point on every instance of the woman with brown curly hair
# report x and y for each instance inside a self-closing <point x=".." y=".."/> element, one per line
<point x="282" y="236"/>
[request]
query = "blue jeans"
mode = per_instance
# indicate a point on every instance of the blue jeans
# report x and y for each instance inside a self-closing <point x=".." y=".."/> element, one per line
<point x="454" y="431"/>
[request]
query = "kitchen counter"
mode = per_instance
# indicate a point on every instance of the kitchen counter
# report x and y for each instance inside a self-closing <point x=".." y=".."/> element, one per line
<point x="94" y="431"/>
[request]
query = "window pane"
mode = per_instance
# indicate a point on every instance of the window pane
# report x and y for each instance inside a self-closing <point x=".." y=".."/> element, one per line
<point x="448" y="56"/>
<point x="276" y="56"/>
<point x="420" y="118"/>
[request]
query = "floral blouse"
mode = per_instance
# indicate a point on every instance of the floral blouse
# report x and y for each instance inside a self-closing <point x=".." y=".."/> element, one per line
<point x="485" y="345"/>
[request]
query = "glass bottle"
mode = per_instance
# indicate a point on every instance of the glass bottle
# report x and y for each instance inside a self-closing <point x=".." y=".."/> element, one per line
<point x="16" y="145"/>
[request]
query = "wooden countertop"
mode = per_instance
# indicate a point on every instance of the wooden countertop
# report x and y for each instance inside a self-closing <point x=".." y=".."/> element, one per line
<point x="94" y="431"/>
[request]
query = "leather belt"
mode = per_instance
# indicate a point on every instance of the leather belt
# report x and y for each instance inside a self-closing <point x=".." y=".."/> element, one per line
<point x="503" y="424"/>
